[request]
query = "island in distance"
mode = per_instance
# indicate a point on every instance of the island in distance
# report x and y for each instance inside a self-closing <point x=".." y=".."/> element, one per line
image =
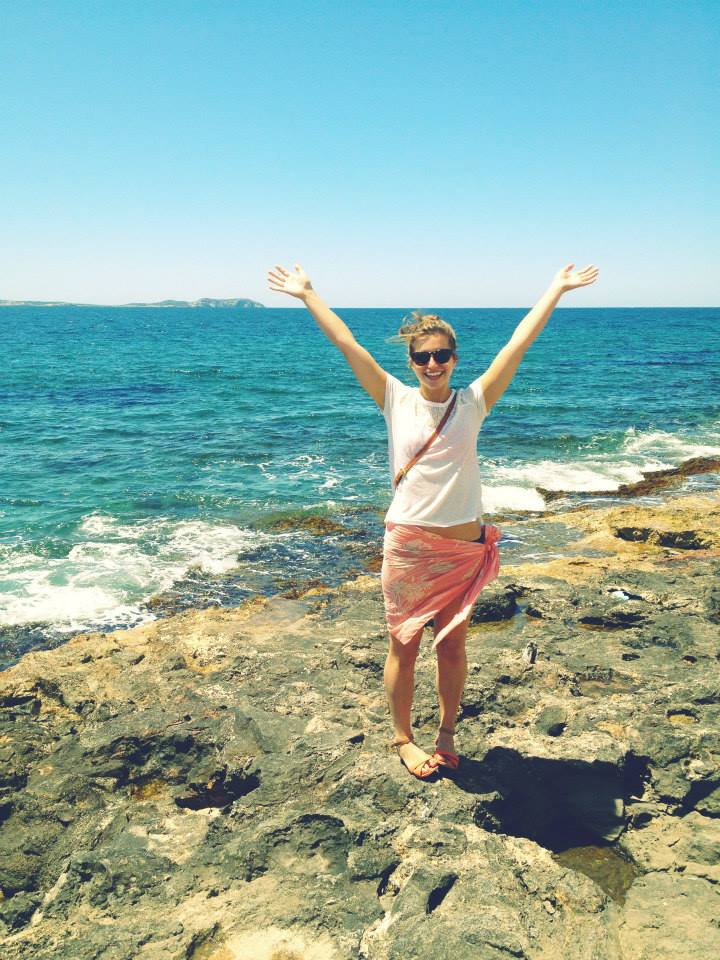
<point x="204" y="302"/>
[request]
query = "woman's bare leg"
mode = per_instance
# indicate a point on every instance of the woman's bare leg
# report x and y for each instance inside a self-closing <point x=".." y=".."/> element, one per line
<point x="450" y="673"/>
<point x="399" y="678"/>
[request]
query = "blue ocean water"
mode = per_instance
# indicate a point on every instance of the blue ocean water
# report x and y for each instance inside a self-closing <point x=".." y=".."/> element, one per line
<point x="142" y="449"/>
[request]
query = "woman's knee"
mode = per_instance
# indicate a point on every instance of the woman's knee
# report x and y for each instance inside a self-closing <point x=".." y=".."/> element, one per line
<point x="452" y="646"/>
<point x="405" y="652"/>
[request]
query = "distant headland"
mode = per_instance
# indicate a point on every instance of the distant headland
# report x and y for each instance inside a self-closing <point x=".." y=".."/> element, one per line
<point x="203" y="302"/>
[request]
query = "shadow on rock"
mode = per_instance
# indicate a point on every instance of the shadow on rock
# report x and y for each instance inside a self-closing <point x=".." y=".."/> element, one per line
<point x="556" y="803"/>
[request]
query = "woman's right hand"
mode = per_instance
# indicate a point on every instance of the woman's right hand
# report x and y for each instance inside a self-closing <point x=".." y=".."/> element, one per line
<point x="297" y="284"/>
<point x="371" y="376"/>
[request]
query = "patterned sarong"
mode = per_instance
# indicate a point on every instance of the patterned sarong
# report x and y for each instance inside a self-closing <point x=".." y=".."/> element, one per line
<point x="423" y="573"/>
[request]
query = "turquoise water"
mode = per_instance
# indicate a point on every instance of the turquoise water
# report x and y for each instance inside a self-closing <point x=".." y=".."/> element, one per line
<point x="142" y="450"/>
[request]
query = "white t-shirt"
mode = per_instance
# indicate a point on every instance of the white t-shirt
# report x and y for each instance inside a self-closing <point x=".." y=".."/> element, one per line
<point x="443" y="488"/>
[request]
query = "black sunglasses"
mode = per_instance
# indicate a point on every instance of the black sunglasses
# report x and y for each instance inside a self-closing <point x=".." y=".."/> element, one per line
<point x="422" y="357"/>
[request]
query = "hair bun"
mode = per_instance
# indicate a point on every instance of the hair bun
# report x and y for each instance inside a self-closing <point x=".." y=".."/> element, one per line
<point x="420" y="325"/>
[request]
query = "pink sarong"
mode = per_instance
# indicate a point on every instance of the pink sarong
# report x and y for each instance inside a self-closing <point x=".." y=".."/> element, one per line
<point x="422" y="573"/>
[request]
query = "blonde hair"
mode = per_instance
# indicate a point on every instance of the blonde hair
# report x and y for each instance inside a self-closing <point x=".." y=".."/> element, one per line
<point x="421" y="325"/>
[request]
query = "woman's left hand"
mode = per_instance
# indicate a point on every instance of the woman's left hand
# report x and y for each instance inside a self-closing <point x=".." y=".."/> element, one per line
<point x="569" y="278"/>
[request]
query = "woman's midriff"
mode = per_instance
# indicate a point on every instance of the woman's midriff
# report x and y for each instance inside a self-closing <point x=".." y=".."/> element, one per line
<point x="460" y="531"/>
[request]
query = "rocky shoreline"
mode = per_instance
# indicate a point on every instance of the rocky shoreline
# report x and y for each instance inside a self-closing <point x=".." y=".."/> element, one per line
<point x="217" y="785"/>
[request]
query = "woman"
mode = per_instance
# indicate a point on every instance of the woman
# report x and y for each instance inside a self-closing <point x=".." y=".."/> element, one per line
<point x="437" y="554"/>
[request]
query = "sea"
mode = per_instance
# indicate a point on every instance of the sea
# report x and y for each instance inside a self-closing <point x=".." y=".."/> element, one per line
<point x="154" y="459"/>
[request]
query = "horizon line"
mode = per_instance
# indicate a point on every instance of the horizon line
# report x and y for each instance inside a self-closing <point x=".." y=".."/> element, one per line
<point x="291" y="306"/>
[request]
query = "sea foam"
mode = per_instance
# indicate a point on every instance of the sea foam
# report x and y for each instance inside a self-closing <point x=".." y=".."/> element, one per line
<point x="115" y="568"/>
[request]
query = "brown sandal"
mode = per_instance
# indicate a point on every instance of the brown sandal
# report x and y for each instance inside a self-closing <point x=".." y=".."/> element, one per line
<point x="418" y="770"/>
<point x="443" y="757"/>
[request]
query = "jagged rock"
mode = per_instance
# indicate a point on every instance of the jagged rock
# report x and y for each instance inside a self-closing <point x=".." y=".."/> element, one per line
<point x="498" y="602"/>
<point x="218" y="785"/>
<point x="653" y="480"/>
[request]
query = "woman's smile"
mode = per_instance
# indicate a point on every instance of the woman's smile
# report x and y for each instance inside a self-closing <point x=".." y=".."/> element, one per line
<point x="433" y="376"/>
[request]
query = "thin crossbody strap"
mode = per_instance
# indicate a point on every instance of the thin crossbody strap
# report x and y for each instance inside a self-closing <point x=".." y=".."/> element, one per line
<point x="404" y="470"/>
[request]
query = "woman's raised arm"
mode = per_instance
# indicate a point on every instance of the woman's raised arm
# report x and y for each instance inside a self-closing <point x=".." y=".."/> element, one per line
<point x="498" y="375"/>
<point x="369" y="373"/>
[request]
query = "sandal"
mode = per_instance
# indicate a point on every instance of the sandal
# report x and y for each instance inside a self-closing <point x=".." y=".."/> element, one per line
<point x="418" y="770"/>
<point x="443" y="757"/>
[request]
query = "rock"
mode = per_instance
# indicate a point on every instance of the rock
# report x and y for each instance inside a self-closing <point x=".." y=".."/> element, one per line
<point x="18" y="910"/>
<point x="310" y="523"/>
<point x="498" y="602"/>
<point x="652" y="481"/>
<point x="679" y="539"/>
<point x="552" y="720"/>
<point x="217" y="784"/>
<point x="669" y="915"/>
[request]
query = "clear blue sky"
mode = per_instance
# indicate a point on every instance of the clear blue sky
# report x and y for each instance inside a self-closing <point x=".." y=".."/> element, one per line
<point x="414" y="155"/>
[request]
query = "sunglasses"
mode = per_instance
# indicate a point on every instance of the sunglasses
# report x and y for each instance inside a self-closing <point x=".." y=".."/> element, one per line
<point x="422" y="357"/>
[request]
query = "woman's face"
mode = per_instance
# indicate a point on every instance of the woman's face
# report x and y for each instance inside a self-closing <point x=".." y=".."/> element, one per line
<point x="433" y="377"/>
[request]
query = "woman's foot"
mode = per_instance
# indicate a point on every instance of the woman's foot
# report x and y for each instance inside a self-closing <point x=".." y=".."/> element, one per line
<point x="419" y="763"/>
<point x="445" y="754"/>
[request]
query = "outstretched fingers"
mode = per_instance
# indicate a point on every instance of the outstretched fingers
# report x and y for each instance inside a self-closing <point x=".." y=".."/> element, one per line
<point x="568" y="278"/>
<point x="294" y="282"/>
<point x="276" y="278"/>
<point x="588" y="274"/>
